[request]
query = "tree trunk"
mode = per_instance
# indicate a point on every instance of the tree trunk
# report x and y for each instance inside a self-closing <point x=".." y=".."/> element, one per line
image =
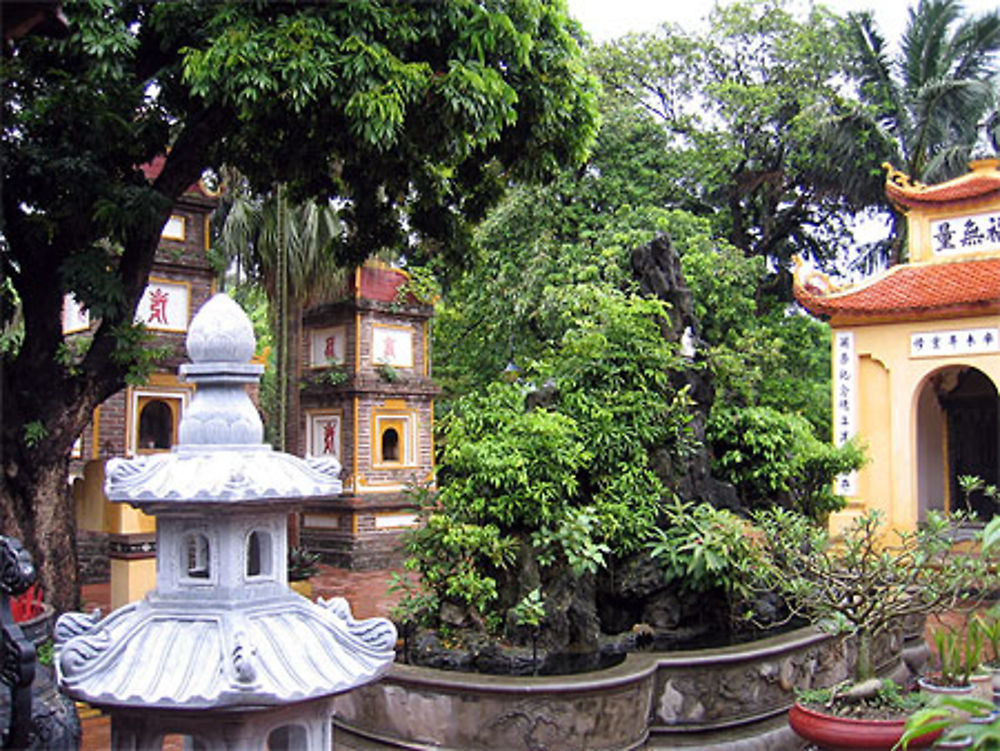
<point x="38" y="509"/>
<point x="864" y="668"/>
<point x="293" y="369"/>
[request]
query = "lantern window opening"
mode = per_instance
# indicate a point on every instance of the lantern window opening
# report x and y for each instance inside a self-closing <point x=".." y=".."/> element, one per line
<point x="196" y="555"/>
<point x="259" y="555"/>
<point x="157" y="424"/>
<point x="287" y="738"/>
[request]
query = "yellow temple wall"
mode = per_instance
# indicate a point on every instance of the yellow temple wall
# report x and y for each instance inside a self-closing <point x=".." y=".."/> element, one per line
<point x="889" y="385"/>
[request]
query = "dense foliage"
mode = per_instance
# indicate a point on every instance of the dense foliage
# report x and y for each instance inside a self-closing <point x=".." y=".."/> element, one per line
<point x="414" y="116"/>
<point x="769" y="455"/>
<point x="562" y="470"/>
<point x="742" y="103"/>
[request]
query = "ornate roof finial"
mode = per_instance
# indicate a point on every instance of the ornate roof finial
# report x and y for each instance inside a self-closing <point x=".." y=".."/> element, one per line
<point x="221" y="342"/>
<point x="221" y="332"/>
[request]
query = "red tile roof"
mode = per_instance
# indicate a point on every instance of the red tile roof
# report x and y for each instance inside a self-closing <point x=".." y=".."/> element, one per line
<point x="379" y="282"/>
<point x="982" y="183"/>
<point x="154" y="167"/>
<point x="913" y="291"/>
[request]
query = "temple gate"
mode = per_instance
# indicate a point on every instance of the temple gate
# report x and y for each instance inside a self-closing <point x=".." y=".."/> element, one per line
<point x="916" y="354"/>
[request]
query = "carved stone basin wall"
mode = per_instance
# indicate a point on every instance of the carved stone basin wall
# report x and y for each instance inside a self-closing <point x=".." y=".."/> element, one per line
<point x="700" y="698"/>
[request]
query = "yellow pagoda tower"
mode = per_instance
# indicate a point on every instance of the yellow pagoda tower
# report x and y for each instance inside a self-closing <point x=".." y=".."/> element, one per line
<point x="916" y="354"/>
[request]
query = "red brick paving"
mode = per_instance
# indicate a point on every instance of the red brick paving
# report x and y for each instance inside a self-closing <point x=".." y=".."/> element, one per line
<point x="366" y="591"/>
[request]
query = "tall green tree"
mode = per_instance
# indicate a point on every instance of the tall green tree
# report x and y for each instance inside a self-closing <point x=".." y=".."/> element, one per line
<point x="413" y="115"/>
<point x="545" y="246"/>
<point x="922" y="109"/>
<point x="287" y="249"/>
<point x="741" y="105"/>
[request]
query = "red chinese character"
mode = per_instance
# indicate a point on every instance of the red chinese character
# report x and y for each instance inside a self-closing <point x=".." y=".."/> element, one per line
<point x="158" y="307"/>
<point x="329" y="434"/>
<point x="330" y="352"/>
<point x="389" y="348"/>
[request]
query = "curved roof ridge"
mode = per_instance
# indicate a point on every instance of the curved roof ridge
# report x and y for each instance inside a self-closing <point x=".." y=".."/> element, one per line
<point x="982" y="181"/>
<point x="912" y="289"/>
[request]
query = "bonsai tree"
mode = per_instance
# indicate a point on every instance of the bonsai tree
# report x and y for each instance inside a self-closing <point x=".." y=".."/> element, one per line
<point x="863" y="582"/>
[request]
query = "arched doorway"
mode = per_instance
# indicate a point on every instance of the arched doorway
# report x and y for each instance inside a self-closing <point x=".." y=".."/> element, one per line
<point x="957" y="434"/>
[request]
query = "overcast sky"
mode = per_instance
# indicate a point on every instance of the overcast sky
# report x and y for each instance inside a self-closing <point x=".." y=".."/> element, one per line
<point x="607" y="19"/>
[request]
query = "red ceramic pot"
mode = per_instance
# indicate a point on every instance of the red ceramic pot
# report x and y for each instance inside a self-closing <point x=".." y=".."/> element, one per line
<point x="850" y="734"/>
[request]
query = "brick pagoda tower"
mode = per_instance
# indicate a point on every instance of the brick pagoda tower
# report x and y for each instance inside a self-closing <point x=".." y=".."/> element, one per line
<point x="366" y="398"/>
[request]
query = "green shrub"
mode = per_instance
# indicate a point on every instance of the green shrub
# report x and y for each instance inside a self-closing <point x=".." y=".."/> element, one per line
<point x="765" y="453"/>
<point x="704" y="548"/>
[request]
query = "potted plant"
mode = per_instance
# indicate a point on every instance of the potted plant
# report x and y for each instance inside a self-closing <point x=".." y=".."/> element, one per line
<point x="861" y="585"/>
<point x="957" y="656"/>
<point x="302" y="566"/>
<point x="988" y="624"/>
<point x="966" y="722"/>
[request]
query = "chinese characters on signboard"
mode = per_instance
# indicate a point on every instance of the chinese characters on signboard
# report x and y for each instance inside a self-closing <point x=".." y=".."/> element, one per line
<point x="392" y="346"/>
<point x="955" y="342"/>
<point x="324" y="435"/>
<point x="845" y="390"/>
<point x="164" y="307"/>
<point x="966" y="233"/>
<point x="327" y="346"/>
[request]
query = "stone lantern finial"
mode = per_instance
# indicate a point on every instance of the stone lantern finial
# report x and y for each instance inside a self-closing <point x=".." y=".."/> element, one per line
<point x="221" y="332"/>
<point x="220" y="342"/>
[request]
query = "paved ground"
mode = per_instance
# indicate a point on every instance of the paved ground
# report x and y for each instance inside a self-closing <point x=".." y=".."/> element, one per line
<point x="367" y="591"/>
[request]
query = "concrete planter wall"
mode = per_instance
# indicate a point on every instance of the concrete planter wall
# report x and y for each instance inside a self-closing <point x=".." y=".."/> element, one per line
<point x="697" y="698"/>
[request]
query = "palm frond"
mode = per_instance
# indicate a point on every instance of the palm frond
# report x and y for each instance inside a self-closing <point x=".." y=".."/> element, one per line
<point x="975" y="47"/>
<point x="925" y="41"/>
<point x="873" y="68"/>
<point x="948" y="162"/>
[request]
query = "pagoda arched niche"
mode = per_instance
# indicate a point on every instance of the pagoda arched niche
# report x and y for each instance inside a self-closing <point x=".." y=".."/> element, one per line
<point x="956" y="433"/>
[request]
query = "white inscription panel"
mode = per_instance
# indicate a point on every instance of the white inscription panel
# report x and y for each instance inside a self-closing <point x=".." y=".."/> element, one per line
<point x="165" y="306"/>
<point x="845" y="405"/>
<point x="394" y="521"/>
<point x="175" y="228"/>
<point x="327" y="346"/>
<point x="323" y="435"/>
<point x="317" y="521"/>
<point x="954" y="342"/>
<point x="75" y="317"/>
<point x="392" y="345"/>
<point x="966" y="233"/>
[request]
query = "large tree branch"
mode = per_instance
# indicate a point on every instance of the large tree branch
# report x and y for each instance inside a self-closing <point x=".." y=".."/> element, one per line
<point x="103" y="373"/>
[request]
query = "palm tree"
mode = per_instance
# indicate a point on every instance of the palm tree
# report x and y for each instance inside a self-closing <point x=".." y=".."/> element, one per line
<point x="288" y="249"/>
<point x="922" y="110"/>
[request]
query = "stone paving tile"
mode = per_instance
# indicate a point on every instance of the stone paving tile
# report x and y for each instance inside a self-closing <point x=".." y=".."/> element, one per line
<point x="366" y="591"/>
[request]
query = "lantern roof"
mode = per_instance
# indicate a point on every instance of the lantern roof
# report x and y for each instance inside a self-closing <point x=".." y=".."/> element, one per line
<point x="201" y="657"/>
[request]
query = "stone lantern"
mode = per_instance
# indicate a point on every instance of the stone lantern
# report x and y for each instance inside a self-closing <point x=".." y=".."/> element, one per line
<point x="222" y="651"/>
